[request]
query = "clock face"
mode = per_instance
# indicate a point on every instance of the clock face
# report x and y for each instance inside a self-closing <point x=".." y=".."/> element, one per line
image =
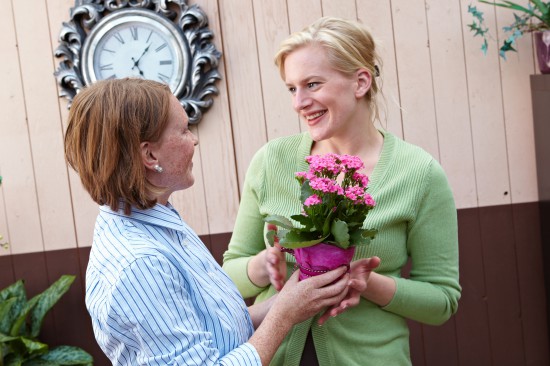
<point x="136" y="43"/>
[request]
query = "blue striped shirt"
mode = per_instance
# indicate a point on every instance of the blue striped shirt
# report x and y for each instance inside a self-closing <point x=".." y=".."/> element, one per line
<point x="156" y="295"/>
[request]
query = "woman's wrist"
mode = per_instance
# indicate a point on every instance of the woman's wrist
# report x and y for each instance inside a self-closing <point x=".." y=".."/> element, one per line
<point x="380" y="289"/>
<point x="257" y="270"/>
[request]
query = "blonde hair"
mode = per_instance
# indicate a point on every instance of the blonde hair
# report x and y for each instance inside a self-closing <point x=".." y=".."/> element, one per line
<point x="349" y="47"/>
<point x="107" y="123"/>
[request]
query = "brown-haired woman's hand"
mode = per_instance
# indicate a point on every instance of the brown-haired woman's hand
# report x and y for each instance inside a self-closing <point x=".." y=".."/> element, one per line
<point x="300" y="300"/>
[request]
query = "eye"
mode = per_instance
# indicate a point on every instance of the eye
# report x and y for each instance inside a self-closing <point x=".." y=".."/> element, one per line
<point x="292" y="89"/>
<point x="312" y="84"/>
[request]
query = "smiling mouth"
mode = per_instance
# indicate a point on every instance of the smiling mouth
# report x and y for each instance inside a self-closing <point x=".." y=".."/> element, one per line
<point x="315" y="115"/>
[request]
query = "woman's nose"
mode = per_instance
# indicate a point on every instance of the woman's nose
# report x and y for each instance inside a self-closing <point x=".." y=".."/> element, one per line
<point x="301" y="100"/>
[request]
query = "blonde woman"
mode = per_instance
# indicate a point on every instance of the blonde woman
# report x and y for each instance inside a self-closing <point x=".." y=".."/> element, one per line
<point x="331" y="70"/>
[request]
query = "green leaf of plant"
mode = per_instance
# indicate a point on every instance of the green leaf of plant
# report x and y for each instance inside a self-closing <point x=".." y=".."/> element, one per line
<point x="6" y="338"/>
<point x="67" y="355"/>
<point x="13" y="359"/>
<point x="328" y="222"/>
<point x="34" y="347"/>
<point x="16" y="289"/>
<point x="7" y="314"/>
<point x="47" y="299"/>
<point x="19" y="325"/>
<point x="295" y="240"/>
<point x="339" y="230"/>
<point x="280" y="221"/>
<point x="304" y="220"/>
<point x="362" y="236"/>
<point x="270" y="236"/>
<point x="305" y="191"/>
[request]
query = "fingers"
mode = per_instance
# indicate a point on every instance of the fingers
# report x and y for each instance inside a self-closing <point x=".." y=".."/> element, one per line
<point x="327" y="278"/>
<point x="276" y="267"/>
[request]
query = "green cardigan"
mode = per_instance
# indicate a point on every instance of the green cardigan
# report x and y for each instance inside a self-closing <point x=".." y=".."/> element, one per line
<point x="415" y="216"/>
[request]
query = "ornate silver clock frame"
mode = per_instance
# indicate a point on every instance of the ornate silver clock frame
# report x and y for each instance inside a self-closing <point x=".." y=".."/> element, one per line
<point x="200" y="72"/>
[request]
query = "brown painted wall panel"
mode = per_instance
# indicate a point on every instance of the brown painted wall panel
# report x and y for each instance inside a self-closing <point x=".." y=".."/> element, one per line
<point x="472" y="318"/>
<point x="440" y="344"/>
<point x="6" y="271"/>
<point x="417" y="343"/>
<point x="531" y="283"/>
<point x="501" y="277"/>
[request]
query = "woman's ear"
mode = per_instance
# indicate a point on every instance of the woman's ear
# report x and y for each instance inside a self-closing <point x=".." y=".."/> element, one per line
<point x="147" y="155"/>
<point x="364" y="82"/>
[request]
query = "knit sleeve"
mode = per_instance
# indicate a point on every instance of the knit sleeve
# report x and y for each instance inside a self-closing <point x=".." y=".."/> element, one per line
<point x="246" y="240"/>
<point x="432" y="292"/>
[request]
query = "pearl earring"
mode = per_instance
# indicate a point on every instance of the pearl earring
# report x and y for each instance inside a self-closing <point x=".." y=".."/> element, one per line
<point x="158" y="168"/>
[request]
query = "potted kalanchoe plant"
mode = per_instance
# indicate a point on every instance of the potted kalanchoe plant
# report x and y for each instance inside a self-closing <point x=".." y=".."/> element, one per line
<point x="533" y="17"/>
<point x="335" y="203"/>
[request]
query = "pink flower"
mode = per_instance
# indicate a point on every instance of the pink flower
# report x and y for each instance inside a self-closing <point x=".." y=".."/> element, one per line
<point x="355" y="192"/>
<point x="312" y="200"/>
<point x="362" y="179"/>
<point x="369" y="201"/>
<point x="325" y="185"/>
<point x="351" y="162"/>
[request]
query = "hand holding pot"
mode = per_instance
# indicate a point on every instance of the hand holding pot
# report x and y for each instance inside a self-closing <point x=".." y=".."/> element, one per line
<point x="276" y="262"/>
<point x="360" y="271"/>
<point x="300" y="300"/>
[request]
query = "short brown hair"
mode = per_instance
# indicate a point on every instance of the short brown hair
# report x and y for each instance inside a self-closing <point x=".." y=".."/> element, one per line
<point x="108" y="120"/>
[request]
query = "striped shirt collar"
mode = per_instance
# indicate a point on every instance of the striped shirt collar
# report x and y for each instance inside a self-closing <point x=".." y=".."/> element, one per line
<point x="158" y="215"/>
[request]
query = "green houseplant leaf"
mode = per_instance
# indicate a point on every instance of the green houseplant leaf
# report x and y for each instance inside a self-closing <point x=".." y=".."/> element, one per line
<point x="47" y="299"/>
<point x="64" y="355"/>
<point x="339" y="230"/>
<point x="534" y="17"/>
<point x="18" y="343"/>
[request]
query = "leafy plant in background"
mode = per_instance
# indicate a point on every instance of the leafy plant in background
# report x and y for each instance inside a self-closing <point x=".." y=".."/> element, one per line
<point x="533" y="17"/>
<point x="20" y="324"/>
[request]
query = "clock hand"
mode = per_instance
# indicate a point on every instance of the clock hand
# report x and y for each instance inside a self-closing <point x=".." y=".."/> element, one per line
<point x="136" y="65"/>
<point x="136" y="62"/>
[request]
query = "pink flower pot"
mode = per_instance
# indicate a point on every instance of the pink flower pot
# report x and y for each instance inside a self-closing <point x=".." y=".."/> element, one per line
<point x="320" y="258"/>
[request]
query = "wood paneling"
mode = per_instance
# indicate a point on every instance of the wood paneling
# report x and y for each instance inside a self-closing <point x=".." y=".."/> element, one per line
<point x="242" y="71"/>
<point x="415" y="75"/>
<point x="472" y="320"/>
<point x="486" y="113"/>
<point x="451" y="98"/>
<point x="377" y="16"/>
<point x="45" y="131"/>
<point x="471" y="111"/>
<point x="271" y="28"/>
<point x="518" y="114"/>
<point x="16" y="160"/>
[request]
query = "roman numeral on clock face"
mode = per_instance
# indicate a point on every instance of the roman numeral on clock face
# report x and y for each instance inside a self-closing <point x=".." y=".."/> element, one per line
<point x="134" y="32"/>
<point x="119" y="37"/>
<point x="161" y="47"/>
<point x="163" y="77"/>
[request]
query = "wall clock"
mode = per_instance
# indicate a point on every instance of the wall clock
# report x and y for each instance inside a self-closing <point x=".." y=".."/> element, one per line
<point x="163" y="40"/>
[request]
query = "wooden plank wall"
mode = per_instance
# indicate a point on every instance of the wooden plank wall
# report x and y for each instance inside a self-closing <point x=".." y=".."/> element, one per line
<point x="472" y="112"/>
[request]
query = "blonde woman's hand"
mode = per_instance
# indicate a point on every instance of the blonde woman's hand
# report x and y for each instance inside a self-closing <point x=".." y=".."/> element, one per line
<point x="360" y="271"/>
<point x="276" y="262"/>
